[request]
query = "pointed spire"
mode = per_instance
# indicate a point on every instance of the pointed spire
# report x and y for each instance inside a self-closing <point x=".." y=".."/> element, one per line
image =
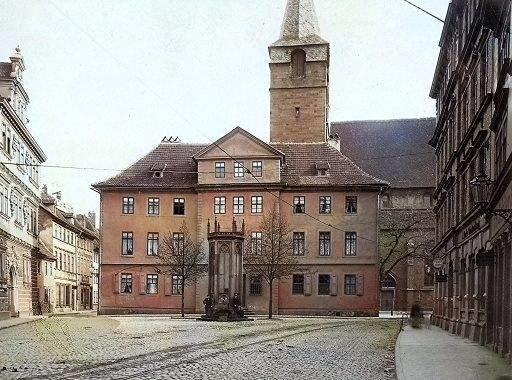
<point x="299" y="20"/>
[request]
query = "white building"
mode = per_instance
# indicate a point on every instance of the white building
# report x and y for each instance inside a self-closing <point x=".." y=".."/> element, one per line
<point x="20" y="157"/>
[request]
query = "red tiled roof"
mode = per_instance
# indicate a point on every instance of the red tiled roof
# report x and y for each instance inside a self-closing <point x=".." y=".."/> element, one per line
<point x="394" y="150"/>
<point x="299" y="168"/>
<point x="301" y="162"/>
<point x="179" y="159"/>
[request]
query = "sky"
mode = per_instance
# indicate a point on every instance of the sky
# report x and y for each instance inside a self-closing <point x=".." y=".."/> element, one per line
<point x="108" y="80"/>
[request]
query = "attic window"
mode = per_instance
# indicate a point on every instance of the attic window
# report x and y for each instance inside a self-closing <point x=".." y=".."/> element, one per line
<point x="322" y="169"/>
<point x="158" y="170"/>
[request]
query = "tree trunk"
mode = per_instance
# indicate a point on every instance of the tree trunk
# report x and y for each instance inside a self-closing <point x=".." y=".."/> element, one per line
<point x="270" y="301"/>
<point x="183" y="301"/>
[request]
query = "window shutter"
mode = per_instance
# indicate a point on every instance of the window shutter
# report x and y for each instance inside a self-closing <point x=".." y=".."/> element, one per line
<point x="307" y="285"/>
<point x="360" y="284"/>
<point x="142" y="284"/>
<point x="115" y="283"/>
<point x="334" y="285"/>
<point x="168" y="285"/>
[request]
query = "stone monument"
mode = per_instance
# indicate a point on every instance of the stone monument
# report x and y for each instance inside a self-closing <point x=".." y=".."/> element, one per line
<point x="225" y="274"/>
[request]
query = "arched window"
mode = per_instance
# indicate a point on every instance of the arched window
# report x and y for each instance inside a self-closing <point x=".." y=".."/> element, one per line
<point x="389" y="281"/>
<point x="298" y="63"/>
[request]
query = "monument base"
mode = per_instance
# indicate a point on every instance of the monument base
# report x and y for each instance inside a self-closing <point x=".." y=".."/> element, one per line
<point x="224" y="318"/>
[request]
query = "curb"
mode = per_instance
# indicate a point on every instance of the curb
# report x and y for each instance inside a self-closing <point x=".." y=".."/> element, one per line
<point x="22" y="323"/>
<point x="399" y="369"/>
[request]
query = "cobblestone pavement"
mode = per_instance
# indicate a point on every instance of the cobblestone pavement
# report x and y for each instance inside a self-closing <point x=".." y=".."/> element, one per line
<point x="160" y="348"/>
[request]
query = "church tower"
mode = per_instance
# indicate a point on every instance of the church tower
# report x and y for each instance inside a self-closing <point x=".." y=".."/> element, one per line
<point x="299" y="78"/>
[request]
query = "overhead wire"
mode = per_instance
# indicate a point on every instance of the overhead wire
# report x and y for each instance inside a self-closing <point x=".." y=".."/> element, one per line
<point x="189" y="123"/>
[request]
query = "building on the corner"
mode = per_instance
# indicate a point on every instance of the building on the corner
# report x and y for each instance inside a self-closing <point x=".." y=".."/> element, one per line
<point x="331" y="204"/>
<point x="398" y="151"/>
<point x="66" y="283"/>
<point x="473" y="146"/>
<point x="20" y="157"/>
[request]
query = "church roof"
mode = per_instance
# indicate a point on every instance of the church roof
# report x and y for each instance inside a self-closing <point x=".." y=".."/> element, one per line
<point x="394" y="150"/>
<point x="300" y="25"/>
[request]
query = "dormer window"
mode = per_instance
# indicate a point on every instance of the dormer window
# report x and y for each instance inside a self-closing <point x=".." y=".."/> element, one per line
<point x="299" y="63"/>
<point x="158" y="170"/>
<point x="322" y="169"/>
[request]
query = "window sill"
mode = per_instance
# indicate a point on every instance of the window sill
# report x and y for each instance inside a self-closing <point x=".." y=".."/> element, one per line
<point x="127" y="255"/>
<point x="152" y="215"/>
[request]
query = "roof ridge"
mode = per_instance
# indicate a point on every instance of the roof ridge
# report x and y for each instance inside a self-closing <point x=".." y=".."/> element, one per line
<point x="384" y="120"/>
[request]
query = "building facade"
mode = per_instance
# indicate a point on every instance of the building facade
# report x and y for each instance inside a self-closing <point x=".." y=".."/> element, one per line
<point x="472" y="142"/>
<point x="20" y="258"/>
<point x="398" y="152"/>
<point x="330" y="204"/>
<point x="66" y="283"/>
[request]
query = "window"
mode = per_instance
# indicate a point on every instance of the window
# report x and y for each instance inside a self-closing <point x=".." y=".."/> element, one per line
<point x="179" y="206"/>
<point x="351" y="205"/>
<point x="220" y="205"/>
<point x="126" y="283"/>
<point x="257" y="168"/>
<point x="324" y="284"/>
<point x="178" y="239"/>
<point x="299" y="205"/>
<point x="127" y="243"/>
<point x="220" y="170"/>
<point x="325" y="205"/>
<point x="4" y="200"/>
<point x="325" y="243"/>
<point x="298" y="243"/>
<point x="238" y="205"/>
<point x="128" y="205"/>
<point x="153" y="206"/>
<point x="17" y="209"/>
<point x="152" y="244"/>
<point x="256" y="242"/>
<point x="350" y="285"/>
<point x="257" y="204"/>
<point x="239" y="169"/>
<point x="298" y="284"/>
<point x="152" y="284"/>
<point x="255" y="286"/>
<point x="298" y="63"/>
<point x="350" y="243"/>
<point x="177" y="284"/>
<point x="428" y="279"/>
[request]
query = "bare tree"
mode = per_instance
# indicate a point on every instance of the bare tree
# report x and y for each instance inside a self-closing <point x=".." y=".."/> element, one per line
<point x="404" y="234"/>
<point x="270" y="256"/>
<point x="181" y="256"/>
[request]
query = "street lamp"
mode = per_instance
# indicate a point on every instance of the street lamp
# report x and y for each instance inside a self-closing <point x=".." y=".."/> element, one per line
<point x="481" y="187"/>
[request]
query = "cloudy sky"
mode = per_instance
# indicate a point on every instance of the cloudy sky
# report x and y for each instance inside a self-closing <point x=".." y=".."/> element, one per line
<point x="108" y="79"/>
